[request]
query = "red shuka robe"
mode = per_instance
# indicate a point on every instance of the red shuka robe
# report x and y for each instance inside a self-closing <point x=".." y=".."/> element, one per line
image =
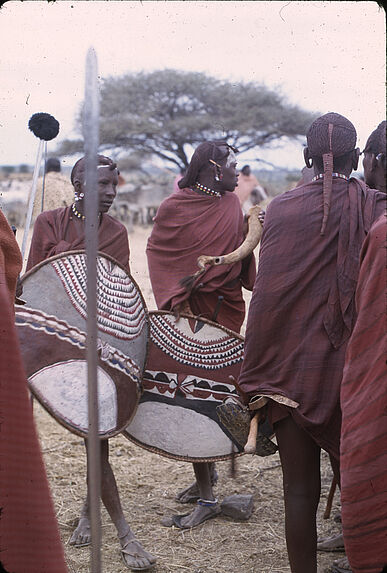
<point x="29" y="534"/>
<point x="189" y="224"/>
<point x="364" y="405"/>
<point x="302" y="308"/>
<point x="55" y="232"/>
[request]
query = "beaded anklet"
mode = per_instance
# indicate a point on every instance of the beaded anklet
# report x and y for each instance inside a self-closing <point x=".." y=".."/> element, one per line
<point x="207" y="502"/>
<point x="207" y="190"/>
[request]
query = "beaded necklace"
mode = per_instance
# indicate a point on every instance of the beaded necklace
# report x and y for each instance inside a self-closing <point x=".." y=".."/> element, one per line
<point x="206" y="190"/>
<point x="78" y="214"/>
<point x="339" y="175"/>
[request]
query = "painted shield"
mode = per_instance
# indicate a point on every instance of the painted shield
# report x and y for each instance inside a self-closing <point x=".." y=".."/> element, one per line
<point x="52" y="333"/>
<point x="186" y="376"/>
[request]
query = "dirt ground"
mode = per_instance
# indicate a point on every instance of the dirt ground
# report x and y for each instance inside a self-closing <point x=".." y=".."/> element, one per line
<point x="148" y="483"/>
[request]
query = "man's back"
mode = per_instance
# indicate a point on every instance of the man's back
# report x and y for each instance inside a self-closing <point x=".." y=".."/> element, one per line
<point x="303" y="309"/>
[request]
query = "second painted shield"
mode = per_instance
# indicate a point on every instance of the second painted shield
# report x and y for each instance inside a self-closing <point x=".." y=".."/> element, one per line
<point x="186" y="377"/>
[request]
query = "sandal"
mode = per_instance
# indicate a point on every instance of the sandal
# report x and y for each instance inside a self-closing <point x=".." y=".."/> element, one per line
<point x="176" y="519"/>
<point x="333" y="543"/>
<point x="136" y="556"/>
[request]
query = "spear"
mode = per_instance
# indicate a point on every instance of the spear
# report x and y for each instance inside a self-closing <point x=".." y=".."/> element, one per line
<point x="91" y="138"/>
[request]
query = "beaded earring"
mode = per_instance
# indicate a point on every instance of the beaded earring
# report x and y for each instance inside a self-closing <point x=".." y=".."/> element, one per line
<point x="79" y="196"/>
<point x="218" y="171"/>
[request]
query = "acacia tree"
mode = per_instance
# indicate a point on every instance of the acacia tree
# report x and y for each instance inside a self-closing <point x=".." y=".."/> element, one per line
<point x="163" y="112"/>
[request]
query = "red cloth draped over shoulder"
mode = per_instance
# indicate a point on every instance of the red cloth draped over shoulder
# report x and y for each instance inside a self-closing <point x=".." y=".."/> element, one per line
<point x="56" y="232"/>
<point x="364" y="406"/>
<point x="302" y="308"/>
<point x="187" y="225"/>
<point x="10" y="259"/>
<point x="29" y="535"/>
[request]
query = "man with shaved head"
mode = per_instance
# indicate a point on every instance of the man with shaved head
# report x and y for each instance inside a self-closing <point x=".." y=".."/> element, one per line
<point x="62" y="230"/>
<point x="301" y="316"/>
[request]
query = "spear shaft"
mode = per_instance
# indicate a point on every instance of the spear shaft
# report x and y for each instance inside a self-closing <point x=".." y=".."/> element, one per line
<point x="32" y="197"/>
<point x="91" y="137"/>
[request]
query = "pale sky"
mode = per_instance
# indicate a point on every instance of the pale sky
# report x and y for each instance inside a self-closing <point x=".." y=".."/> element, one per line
<point x="323" y="56"/>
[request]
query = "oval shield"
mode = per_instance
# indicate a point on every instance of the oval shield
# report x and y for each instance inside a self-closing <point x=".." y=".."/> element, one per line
<point x="52" y="333"/>
<point x="186" y="376"/>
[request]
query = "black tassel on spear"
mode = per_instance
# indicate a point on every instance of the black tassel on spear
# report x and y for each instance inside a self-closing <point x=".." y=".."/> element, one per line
<point x="45" y="127"/>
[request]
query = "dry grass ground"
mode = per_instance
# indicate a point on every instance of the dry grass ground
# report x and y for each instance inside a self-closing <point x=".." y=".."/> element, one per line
<point x="148" y="484"/>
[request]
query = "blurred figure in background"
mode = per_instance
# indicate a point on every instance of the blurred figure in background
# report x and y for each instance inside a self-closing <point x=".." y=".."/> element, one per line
<point x="249" y="191"/>
<point x="57" y="190"/>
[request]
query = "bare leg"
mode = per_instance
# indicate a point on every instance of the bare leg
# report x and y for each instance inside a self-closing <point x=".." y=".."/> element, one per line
<point x="202" y="512"/>
<point x="300" y="459"/>
<point x="191" y="493"/>
<point x="82" y="534"/>
<point x="133" y="553"/>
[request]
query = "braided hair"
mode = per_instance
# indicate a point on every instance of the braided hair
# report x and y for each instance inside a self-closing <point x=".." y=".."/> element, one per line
<point x="376" y="143"/>
<point x="216" y="150"/>
<point x="331" y="136"/>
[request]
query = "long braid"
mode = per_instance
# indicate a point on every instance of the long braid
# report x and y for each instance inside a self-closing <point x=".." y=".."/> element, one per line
<point x="331" y="136"/>
<point x="327" y="182"/>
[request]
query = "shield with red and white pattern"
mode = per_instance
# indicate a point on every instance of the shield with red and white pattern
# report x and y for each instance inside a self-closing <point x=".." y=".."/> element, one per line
<point x="52" y="333"/>
<point x="186" y="376"/>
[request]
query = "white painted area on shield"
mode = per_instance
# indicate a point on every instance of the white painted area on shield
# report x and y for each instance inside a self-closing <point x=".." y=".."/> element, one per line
<point x="178" y="431"/>
<point x="205" y="334"/>
<point x="63" y="387"/>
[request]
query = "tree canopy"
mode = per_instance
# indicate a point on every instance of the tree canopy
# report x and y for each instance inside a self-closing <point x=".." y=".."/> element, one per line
<point x="163" y="112"/>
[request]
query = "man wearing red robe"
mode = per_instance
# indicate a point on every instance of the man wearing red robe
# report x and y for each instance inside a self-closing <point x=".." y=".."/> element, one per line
<point x="301" y="316"/>
<point x="29" y="534"/>
<point x="203" y="217"/>
<point x="63" y="230"/>
<point x="363" y="461"/>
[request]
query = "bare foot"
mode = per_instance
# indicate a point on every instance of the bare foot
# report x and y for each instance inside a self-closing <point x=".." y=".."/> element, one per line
<point x="134" y="555"/>
<point x="82" y="534"/>
<point x="199" y="515"/>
